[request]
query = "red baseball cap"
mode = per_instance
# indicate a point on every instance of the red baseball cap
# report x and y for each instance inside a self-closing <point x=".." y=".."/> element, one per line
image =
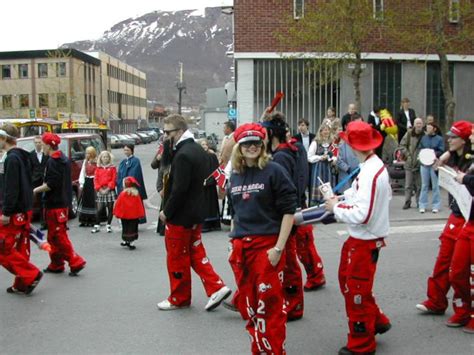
<point x="51" y="139"/>
<point x="461" y="129"/>
<point x="361" y="136"/>
<point x="250" y="132"/>
<point x="131" y="181"/>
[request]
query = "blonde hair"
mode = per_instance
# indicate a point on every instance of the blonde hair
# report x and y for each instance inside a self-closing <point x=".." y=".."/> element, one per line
<point x="101" y="156"/>
<point x="92" y="152"/>
<point x="319" y="138"/>
<point x="238" y="160"/>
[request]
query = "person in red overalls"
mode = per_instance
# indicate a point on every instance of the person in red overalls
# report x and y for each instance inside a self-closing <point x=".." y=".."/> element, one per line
<point x="450" y="264"/>
<point x="366" y="212"/>
<point x="58" y="188"/>
<point x="263" y="200"/>
<point x="16" y="215"/>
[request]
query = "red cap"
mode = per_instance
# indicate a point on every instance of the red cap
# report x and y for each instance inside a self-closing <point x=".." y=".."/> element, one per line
<point x="361" y="136"/>
<point x="130" y="181"/>
<point x="461" y="129"/>
<point x="249" y="132"/>
<point x="51" y="139"/>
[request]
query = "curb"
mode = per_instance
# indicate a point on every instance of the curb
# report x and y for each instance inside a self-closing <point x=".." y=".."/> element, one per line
<point x="419" y="219"/>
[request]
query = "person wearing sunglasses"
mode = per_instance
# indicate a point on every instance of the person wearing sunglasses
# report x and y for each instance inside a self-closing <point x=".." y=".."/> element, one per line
<point x="263" y="201"/>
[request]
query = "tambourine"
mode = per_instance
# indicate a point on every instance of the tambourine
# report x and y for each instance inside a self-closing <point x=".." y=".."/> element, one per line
<point x="427" y="156"/>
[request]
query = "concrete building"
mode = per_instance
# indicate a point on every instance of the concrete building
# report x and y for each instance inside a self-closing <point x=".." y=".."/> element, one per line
<point x="64" y="83"/>
<point x="390" y="71"/>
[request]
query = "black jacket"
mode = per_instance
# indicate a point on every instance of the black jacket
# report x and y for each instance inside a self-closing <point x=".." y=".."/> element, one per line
<point x="346" y="119"/>
<point x="58" y="179"/>
<point x="37" y="168"/>
<point x="371" y="121"/>
<point x="299" y="138"/>
<point x="185" y="191"/>
<point x="17" y="188"/>
<point x="402" y="122"/>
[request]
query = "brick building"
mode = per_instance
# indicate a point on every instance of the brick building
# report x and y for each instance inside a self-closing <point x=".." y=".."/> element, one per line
<point x="390" y="70"/>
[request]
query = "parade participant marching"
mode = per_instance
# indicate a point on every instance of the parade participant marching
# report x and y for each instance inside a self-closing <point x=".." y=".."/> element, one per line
<point x="366" y="211"/>
<point x="38" y="165"/>
<point x="451" y="262"/>
<point x="263" y="200"/>
<point x="184" y="214"/>
<point x="58" y="188"/>
<point x="16" y="215"/>
<point x="129" y="208"/>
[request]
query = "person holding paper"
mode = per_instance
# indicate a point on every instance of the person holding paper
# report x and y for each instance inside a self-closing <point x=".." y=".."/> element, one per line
<point x="451" y="264"/>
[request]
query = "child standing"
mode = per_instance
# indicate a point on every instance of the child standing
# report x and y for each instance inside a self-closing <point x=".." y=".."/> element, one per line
<point x="104" y="184"/>
<point x="129" y="208"/>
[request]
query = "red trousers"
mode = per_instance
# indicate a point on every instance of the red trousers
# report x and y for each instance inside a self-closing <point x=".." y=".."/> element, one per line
<point x="261" y="299"/>
<point x="62" y="249"/>
<point x="462" y="268"/>
<point x="293" y="281"/>
<point x="184" y="250"/>
<point x="15" y="253"/>
<point x="309" y="257"/>
<point x="356" y="279"/>
<point x="439" y="283"/>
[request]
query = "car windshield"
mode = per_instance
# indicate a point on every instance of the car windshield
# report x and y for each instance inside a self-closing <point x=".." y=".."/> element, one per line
<point x="28" y="144"/>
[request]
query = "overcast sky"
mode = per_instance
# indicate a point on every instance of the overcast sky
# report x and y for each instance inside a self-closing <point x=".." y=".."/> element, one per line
<point x="45" y="24"/>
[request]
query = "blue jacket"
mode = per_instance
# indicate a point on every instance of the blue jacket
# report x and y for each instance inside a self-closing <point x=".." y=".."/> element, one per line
<point x="435" y="142"/>
<point x="346" y="163"/>
<point x="131" y="167"/>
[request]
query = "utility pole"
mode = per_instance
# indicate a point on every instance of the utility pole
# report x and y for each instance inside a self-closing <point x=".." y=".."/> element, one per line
<point x="181" y="87"/>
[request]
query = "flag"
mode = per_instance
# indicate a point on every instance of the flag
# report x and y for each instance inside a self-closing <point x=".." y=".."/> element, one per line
<point x="219" y="176"/>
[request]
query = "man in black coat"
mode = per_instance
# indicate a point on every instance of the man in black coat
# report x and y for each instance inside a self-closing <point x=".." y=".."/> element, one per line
<point x="305" y="137"/>
<point x="375" y="121"/>
<point x="38" y="166"/>
<point x="349" y="116"/>
<point x="405" y="119"/>
<point x="183" y="214"/>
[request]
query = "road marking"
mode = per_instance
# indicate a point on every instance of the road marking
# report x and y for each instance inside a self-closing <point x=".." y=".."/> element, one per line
<point x="408" y="229"/>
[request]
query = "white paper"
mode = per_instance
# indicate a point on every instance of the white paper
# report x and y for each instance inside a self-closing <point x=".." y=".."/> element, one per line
<point x="460" y="193"/>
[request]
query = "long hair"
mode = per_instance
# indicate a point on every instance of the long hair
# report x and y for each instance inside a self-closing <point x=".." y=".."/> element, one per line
<point x="102" y="155"/>
<point x="92" y="152"/>
<point x="319" y="138"/>
<point x="238" y="160"/>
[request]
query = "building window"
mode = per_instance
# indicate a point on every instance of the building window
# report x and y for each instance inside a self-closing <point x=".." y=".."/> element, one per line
<point x="298" y="9"/>
<point x="435" y="101"/>
<point x="62" y="100"/>
<point x="378" y="9"/>
<point x="61" y="69"/>
<point x="24" y="101"/>
<point x="454" y="11"/>
<point x="6" y="71"/>
<point x="23" y="70"/>
<point x="42" y="70"/>
<point x="7" y="101"/>
<point x="43" y="100"/>
<point x="387" y="85"/>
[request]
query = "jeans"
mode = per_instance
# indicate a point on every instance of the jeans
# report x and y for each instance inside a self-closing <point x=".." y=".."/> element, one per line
<point x="427" y="173"/>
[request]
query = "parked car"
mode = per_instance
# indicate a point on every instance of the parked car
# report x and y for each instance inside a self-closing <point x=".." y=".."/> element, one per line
<point x="73" y="145"/>
<point x="115" y="141"/>
<point x="138" y="139"/>
<point x="153" y="134"/>
<point x="145" y="137"/>
<point x="124" y="139"/>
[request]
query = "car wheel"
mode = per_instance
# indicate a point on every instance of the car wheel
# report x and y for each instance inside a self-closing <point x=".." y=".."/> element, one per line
<point x="74" y="205"/>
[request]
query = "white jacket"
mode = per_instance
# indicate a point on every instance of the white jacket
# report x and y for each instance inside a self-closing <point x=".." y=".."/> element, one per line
<point x="366" y="205"/>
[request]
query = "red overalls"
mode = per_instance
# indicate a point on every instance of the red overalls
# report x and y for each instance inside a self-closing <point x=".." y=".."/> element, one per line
<point x="15" y="250"/>
<point x="62" y="249"/>
<point x="184" y="249"/>
<point x="260" y="286"/>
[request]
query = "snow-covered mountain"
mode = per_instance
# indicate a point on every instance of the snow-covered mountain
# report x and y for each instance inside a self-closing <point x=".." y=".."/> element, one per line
<point x="156" y="42"/>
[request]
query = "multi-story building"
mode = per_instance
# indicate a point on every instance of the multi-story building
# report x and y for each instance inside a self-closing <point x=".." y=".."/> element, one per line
<point x="64" y="83"/>
<point x="391" y="71"/>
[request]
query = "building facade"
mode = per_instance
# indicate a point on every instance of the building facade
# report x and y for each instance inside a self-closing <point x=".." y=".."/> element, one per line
<point x="390" y="70"/>
<point x="65" y="83"/>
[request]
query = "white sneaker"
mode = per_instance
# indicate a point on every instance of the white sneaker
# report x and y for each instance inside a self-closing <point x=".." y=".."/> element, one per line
<point x="217" y="297"/>
<point x="167" y="306"/>
<point x="96" y="229"/>
<point x="422" y="210"/>
<point x="109" y="228"/>
<point x="435" y="210"/>
<point x="422" y="307"/>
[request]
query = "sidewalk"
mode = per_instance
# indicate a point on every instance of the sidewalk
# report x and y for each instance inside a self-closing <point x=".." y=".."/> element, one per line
<point x="397" y="214"/>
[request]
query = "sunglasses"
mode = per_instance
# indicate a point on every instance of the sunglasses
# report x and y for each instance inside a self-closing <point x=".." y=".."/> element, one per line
<point x="257" y="144"/>
<point x="168" y="131"/>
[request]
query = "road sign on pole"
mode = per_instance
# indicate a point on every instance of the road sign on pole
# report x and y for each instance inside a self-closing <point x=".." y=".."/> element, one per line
<point x="32" y="113"/>
<point x="232" y="113"/>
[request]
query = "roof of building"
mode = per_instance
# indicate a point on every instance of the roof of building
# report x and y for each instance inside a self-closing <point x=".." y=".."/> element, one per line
<point x="50" y="53"/>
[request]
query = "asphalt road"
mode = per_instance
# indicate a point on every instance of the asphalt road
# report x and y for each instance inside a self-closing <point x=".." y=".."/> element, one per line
<point x="111" y="306"/>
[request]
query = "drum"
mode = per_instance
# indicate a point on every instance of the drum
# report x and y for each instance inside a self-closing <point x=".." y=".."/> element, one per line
<point x="427" y="156"/>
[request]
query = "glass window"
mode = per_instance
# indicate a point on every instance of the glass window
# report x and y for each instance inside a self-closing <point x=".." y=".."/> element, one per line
<point x="378" y="9"/>
<point x="454" y="11"/>
<point x="62" y="100"/>
<point x="298" y="9"/>
<point x="23" y="70"/>
<point x="7" y="101"/>
<point x="42" y="70"/>
<point x="6" y="71"/>
<point x="61" y="69"/>
<point x="43" y="100"/>
<point x="434" y="93"/>
<point x="24" y="101"/>
<point x="387" y="85"/>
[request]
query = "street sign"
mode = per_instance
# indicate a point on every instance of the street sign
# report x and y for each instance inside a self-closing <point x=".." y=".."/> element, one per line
<point x="232" y="113"/>
<point x="44" y="112"/>
<point x="32" y="113"/>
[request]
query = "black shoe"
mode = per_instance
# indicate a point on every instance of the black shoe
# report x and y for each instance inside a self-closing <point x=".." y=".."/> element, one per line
<point x="35" y="283"/>
<point x="44" y="227"/>
<point x="292" y="319"/>
<point x="14" y="290"/>
<point x="76" y="271"/>
<point x="82" y="225"/>
<point x="125" y="244"/>
<point x="131" y="246"/>
<point x="383" y="328"/>
<point x="49" y="271"/>
<point x="346" y="351"/>
<point x="407" y="205"/>
<point x="230" y="306"/>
